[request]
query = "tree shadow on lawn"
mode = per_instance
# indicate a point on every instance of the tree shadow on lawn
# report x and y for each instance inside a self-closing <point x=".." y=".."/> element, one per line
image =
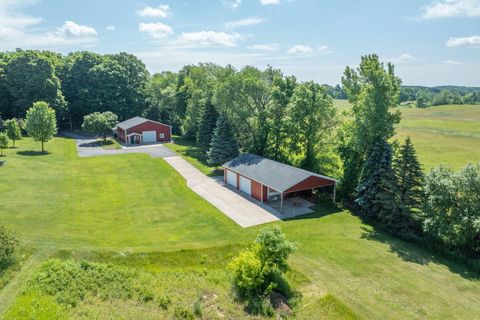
<point x="96" y="144"/>
<point x="195" y="152"/>
<point x="31" y="153"/>
<point x="413" y="252"/>
<point x="321" y="209"/>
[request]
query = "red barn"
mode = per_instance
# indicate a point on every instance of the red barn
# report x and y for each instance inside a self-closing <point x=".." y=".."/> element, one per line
<point x="263" y="179"/>
<point x="139" y="130"/>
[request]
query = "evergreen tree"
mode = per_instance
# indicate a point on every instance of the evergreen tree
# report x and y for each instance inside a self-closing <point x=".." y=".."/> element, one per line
<point x="224" y="146"/>
<point x="208" y="123"/>
<point x="410" y="177"/>
<point x="378" y="196"/>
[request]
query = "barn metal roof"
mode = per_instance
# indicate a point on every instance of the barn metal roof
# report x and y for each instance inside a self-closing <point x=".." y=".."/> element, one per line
<point x="135" y="121"/>
<point x="274" y="174"/>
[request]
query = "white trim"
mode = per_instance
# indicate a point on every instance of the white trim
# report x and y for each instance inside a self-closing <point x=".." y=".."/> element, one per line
<point x="146" y="120"/>
<point x="242" y="174"/>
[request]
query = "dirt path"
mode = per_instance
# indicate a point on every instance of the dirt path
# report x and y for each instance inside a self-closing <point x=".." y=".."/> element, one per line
<point x="19" y="281"/>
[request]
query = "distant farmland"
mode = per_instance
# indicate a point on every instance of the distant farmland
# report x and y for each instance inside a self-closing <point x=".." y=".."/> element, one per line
<point x="447" y="134"/>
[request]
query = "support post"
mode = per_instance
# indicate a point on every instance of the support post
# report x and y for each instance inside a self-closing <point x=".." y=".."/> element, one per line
<point x="281" y="202"/>
<point x="261" y="193"/>
<point x="334" y="192"/>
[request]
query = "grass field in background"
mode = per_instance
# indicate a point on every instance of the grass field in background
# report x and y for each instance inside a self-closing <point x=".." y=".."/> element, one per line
<point x="135" y="211"/>
<point x="448" y="135"/>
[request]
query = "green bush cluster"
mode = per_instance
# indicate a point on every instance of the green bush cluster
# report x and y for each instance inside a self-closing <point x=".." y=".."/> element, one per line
<point x="70" y="281"/>
<point x="259" y="270"/>
<point x="8" y="243"/>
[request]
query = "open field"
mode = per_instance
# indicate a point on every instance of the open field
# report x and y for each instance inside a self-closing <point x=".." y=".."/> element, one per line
<point x="447" y="135"/>
<point x="135" y="211"/>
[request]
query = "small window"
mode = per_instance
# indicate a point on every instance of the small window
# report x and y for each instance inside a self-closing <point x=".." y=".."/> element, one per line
<point x="162" y="135"/>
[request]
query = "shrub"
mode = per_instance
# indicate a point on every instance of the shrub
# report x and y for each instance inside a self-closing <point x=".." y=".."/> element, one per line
<point x="248" y="273"/>
<point x="183" y="314"/>
<point x="70" y="281"/>
<point x="259" y="270"/>
<point x="32" y="305"/>
<point x="197" y="308"/>
<point x="8" y="244"/>
<point x="164" y="302"/>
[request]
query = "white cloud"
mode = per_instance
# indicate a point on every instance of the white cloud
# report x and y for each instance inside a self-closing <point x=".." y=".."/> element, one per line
<point x="155" y="30"/>
<point x="17" y="29"/>
<point x="451" y="8"/>
<point x="463" y="41"/>
<point x="452" y="62"/>
<point x="110" y="28"/>
<point x="264" y="47"/>
<point x="71" y="29"/>
<point x="162" y="11"/>
<point x="208" y="38"/>
<point x="244" y="22"/>
<point x="232" y="4"/>
<point x="267" y="2"/>
<point x="403" y="58"/>
<point x="323" y="48"/>
<point x="300" y="49"/>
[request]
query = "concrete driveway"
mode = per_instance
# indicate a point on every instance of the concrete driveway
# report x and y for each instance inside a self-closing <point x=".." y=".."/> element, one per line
<point x="86" y="147"/>
<point x="239" y="209"/>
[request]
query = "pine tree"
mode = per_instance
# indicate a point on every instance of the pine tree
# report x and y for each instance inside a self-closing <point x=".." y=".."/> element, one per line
<point x="223" y="146"/>
<point x="207" y="126"/>
<point x="410" y="177"/>
<point x="378" y="196"/>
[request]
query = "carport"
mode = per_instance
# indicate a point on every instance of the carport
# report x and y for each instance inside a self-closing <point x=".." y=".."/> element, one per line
<point x="266" y="180"/>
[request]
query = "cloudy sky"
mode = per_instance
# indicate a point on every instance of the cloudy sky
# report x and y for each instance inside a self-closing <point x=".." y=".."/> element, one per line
<point x="430" y="42"/>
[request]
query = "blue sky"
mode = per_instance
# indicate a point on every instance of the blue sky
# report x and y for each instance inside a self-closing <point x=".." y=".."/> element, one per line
<point x="430" y="42"/>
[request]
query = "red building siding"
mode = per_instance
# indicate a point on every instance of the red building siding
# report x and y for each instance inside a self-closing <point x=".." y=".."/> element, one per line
<point x="256" y="190"/>
<point x="121" y="134"/>
<point x="309" y="183"/>
<point x="148" y="126"/>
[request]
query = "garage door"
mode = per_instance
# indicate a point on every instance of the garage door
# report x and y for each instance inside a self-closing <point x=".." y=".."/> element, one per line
<point x="246" y="185"/>
<point x="149" y="136"/>
<point x="232" y="178"/>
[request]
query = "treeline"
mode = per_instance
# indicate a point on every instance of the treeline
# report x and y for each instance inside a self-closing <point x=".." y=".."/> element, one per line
<point x="74" y="85"/>
<point x="441" y="95"/>
<point x="269" y="113"/>
<point x="265" y="112"/>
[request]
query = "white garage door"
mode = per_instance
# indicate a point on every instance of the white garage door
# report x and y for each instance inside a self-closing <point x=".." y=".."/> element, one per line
<point x="149" y="136"/>
<point x="232" y="178"/>
<point x="246" y="185"/>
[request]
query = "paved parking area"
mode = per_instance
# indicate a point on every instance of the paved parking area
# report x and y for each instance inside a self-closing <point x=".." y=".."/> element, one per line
<point x="86" y="147"/>
<point x="241" y="210"/>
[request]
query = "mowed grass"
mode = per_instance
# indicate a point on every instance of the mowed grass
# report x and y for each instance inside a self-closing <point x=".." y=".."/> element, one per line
<point x="448" y="135"/>
<point x="136" y="211"/>
<point x="125" y="202"/>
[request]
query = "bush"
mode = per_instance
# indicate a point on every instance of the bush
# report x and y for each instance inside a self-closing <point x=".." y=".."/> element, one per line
<point x="259" y="270"/>
<point x="183" y="314"/>
<point x="8" y="244"/>
<point x="70" y="281"/>
<point x="32" y="305"/>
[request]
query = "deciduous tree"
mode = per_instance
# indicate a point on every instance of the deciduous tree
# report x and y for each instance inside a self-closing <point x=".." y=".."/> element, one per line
<point x="41" y="123"/>
<point x="312" y="119"/>
<point x="13" y="130"/>
<point x="373" y="91"/>
<point x="3" y="142"/>
<point x="101" y="123"/>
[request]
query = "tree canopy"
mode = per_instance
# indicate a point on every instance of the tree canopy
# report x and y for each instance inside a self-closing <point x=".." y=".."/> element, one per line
<point x="100" y="123"/>
<point x="41" y="122"/>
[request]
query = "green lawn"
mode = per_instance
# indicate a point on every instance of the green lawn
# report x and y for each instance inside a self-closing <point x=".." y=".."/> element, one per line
<point x="188" y="150"/>
<point x="447" y="135"/>
<point x="135" y="211"/>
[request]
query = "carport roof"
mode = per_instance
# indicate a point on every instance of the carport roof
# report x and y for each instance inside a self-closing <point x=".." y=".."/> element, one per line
<point x="135" y="121"/>
<point x="271" y="173"/>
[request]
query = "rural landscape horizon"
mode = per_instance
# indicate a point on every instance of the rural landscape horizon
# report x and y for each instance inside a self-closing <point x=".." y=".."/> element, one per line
<point x="239" y="159"/>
